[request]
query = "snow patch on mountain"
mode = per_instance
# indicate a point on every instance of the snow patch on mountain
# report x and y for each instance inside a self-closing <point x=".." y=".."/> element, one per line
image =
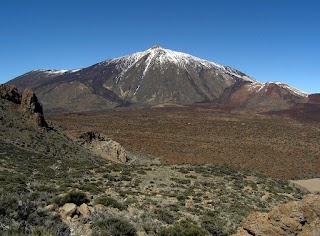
<point x="57" y="72"/>
<point x="293" y="89"/>
<point x="74" y="70"/>
<point x="162" y="57"/>
<point x="52" y="71"/>
<point x="257" y="87"/>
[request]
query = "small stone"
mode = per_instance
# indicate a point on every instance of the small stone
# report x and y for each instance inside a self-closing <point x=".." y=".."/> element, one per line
<point x="50" y="207"/>
<point x="189" y="203"/>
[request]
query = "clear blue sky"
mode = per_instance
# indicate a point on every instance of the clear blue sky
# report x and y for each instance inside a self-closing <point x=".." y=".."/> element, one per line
<point x="270" y="40"/>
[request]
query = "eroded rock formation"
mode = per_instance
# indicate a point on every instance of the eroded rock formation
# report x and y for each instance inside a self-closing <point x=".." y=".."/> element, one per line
<point x="28" y="102"/>
<point x="32" y="108"/>
<point x="103" y="146"/>
<point x="294" y="218"/>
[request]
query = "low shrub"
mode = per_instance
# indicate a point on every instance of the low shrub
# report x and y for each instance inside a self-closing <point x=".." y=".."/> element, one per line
<point x="214" y="225"/>
<point x="113" y="226"/>
<point x="164" y="215"/>
<point x="183" y="228"/>
<point x="75" y="197"/>
<point x="110" y="202"/>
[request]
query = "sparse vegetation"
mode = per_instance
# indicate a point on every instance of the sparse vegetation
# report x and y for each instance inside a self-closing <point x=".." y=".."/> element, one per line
<point x="21" y="214"/>
<point x="183" y="228"/>
<point x="164" y="215"/>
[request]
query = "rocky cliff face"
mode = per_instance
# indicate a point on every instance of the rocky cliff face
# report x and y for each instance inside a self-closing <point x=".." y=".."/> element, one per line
<point x="294" y="218"/>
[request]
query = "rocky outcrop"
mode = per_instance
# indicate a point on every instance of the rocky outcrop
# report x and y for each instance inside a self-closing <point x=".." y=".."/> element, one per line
<point x="103" y="146"/>
<point x="294" y="218"/>
<point x="32" y="108"/>
<point x="10" y="93"/>
<point x="77" y="218"/>
<point x="28" y="102"/>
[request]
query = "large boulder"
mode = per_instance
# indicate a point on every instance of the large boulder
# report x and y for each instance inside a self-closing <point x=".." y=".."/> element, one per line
<point x="293" y="218"/>
<point x="68" y="210"/>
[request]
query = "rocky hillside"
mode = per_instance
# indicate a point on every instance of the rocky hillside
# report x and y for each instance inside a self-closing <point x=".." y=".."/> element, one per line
<point x="155" y="76"/>
<point x="22" y="124"/>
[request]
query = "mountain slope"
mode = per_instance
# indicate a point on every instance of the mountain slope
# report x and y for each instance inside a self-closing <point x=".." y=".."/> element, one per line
<point x="270" y="96"/>
<point x="155" y="76"/>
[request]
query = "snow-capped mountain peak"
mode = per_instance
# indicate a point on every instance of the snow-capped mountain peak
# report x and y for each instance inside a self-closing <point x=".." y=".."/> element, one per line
<point x="162" y="57"/>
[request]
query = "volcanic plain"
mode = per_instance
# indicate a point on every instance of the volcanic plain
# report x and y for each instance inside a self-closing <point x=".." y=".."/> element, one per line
<point x="276" y="145"/>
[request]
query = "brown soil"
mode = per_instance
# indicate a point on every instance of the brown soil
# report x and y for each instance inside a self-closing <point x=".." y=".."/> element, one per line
<point x="273" y="145"/>
<point x="302" y="112"/>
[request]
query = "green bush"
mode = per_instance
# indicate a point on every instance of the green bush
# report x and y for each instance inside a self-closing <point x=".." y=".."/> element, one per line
<point x="75" y="197"/>
<point x="113" y="226"/>
<point x="183" y="228"/>
<point x="181" y="197"/>
<point x="214" y="225"/>
<point x="164" y="215"/>
<point x="93" y="188"/>
<point x="110" y="202"/>
<point x="40" y="230"/>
